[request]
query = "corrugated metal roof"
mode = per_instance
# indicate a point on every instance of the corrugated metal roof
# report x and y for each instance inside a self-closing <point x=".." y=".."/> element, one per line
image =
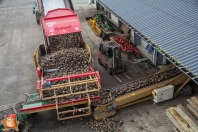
<point x="171" y="25"/>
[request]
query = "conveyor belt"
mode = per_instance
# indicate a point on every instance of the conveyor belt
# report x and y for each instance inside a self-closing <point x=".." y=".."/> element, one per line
<point x="144" y="82"/>
<point x="135" y="92"/>
<point x="137" y="84"/>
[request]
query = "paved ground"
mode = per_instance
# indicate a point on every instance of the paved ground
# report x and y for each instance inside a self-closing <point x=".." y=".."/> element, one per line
<point x="19" y="37"/>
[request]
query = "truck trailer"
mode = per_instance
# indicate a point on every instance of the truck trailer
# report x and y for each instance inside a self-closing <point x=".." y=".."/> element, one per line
<point x="62" y="32"/>
<point x="57" y="18"/>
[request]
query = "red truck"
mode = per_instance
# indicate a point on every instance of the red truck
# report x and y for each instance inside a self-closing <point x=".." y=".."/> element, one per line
<point x="58" y="21"/>
<point x="57" y="18"/>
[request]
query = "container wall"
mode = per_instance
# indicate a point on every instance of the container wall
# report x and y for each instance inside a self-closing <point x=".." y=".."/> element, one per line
<point x="93" y="2"/>
<point x="115" y="20"/>
<point x="132" y="37"/>
<point x="144" y="52"/>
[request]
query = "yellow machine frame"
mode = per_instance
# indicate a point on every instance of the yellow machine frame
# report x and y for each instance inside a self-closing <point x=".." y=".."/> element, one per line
<point x="94" y="26"/>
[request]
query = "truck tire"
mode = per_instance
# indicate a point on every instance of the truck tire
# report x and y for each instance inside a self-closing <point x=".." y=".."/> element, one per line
<point x="188" y="89"/>
<point x="42" y="47"/>
<point x="37" y="19"/>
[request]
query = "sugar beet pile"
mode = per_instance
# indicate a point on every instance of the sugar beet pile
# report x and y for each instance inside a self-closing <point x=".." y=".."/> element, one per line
<point x="67" y="61"/>
<point x="105" y="125"/>
<point x="108" y="96"/>
<point x="63" y="42"/>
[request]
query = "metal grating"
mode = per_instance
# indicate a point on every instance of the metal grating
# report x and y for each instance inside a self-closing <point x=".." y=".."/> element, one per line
<point x="170" y="26"/>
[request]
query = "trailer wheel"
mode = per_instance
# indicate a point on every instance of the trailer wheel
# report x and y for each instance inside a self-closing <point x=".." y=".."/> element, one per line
<point x="37" y="19"/>
<point x="188" y="89"/>
<point x="42" y="49"/>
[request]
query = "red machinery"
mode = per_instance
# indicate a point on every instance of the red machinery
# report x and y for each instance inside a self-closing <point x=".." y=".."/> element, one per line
<point x="59" y="21"/>
<point x="127" y="47"/>
<point x="57" y="18"/>
<point x="70" y="107"/>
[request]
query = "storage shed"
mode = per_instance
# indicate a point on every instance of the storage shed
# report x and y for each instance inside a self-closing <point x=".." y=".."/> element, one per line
<point x="163" y="30"/>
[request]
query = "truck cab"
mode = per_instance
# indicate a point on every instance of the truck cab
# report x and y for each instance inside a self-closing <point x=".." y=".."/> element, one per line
<point x="36" y="12"/>
<point x="35" y="7"/>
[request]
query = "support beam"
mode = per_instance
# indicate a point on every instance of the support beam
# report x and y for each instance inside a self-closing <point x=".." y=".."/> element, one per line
<point x="187" y="80"/>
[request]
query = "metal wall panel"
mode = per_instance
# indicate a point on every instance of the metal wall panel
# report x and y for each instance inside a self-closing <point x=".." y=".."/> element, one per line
<point x="137" y="39"/>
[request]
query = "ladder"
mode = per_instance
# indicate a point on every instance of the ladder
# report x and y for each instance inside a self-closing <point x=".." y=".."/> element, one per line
<point x="74" y="110"/>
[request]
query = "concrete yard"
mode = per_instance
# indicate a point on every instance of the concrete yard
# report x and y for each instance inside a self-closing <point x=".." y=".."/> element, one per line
<point x="19" y="37"/>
